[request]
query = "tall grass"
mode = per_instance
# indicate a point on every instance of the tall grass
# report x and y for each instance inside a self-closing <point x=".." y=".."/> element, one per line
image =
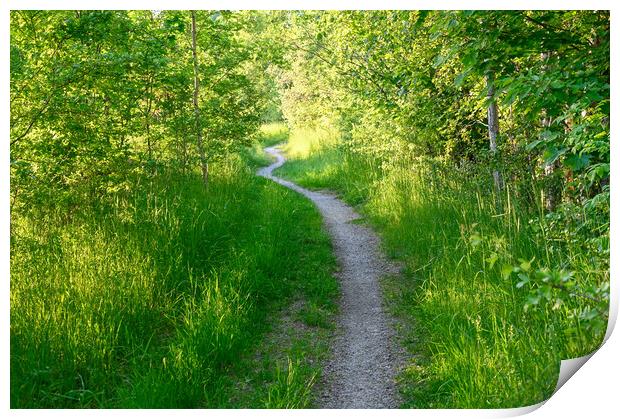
<point x="476" y="343"/>
<point x="307" y="142"/>
<point x="273" y="133"/>
<point x="270" y="134"/>
<point x="152" y="300"/>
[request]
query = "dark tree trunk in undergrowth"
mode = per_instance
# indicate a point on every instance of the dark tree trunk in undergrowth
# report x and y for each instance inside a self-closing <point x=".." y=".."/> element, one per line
<point x="198" y="126"/>
<point x="493" y="124"/>
<point x="552" y="189"/>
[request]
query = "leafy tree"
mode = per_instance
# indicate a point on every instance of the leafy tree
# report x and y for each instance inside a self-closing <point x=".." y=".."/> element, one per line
<point x="99" y="95"/>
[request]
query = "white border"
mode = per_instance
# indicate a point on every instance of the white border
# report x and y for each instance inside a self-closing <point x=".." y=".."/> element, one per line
<point x="309" y="4"/>
<point x="593" y="391"/>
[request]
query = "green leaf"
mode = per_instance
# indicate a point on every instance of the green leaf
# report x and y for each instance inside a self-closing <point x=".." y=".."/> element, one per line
<point x="507" y="270"/>
<point x="458" y="81"/>
<point x="492" y="259"/>
<point x="524" y="280"/>
<point x="475" y="240"/>
<point x="565" y="277"/>
<point x="533" y="145"/>
<point x="576" y="162"/>
<point x="439" y="60"/>
<point x="533" y="299"/>
<point x="557" y="84"/>
<point x="598" y="171"/>
<point x="551" y="154"/>
<point x="545" y="291"/>
<point x="525" y="265"/>
<point x="422" y="14"/>
<point x="470" y="59"/>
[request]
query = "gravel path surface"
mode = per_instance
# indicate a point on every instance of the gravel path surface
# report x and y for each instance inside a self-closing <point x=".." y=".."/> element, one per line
<point x="366" y="356"/>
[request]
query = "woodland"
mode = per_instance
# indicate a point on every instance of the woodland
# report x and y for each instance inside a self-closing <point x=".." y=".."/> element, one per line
<point x="149" y="265"/>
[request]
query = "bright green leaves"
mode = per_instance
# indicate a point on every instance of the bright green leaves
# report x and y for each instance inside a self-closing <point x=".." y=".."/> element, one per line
<point x="470" y="59"/>
<point x="231" y="103"/>
<point x="540" y="287"/>
<point x="475" y="240"/>
<point x="491" y="260"/>
<point x="556" y="288"/>
<point x="552" y="153"/>
<point x="439" y="60"/>
<point x="546" y="68"/>
<point x="99" y="95"/>
<point x="576" y="162"/>
<point x="598" y="172"/>
<point x="523" y="279"/>
<point x="460" y="79"/>
<point x="506" y="271"/>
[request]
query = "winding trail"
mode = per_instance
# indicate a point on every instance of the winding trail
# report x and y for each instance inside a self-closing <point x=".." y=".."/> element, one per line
<point x="366" y="356"/>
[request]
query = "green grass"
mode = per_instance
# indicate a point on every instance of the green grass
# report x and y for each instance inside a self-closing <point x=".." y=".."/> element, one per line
<point x="273" y="133"/>
<point x="270" y="134"/>
<point x="163" y="297"/>
<point x="475" y="343"/>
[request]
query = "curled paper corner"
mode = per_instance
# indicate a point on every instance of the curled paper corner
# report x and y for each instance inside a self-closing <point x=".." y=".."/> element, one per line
<point x="568" y="368"/>
<point x="518" y="411"/>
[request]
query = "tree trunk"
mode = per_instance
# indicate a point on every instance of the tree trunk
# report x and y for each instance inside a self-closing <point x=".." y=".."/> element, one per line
<point x="201" y="151"/>
<point x="552" y="189"/>
<point x="493" y="124"/>
<point x="147" y="117"/>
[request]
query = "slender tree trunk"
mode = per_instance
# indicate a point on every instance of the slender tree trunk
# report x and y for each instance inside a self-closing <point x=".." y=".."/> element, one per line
<point x="148" y="139"/>
<point x="552" y="190"/>
<point x="493" y="124"/>
<point x="203" y="160"/>
<point x="148" y="118"/>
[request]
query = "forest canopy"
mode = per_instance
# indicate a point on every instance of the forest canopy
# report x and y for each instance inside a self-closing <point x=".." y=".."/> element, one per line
<point x="476" y="142"/>
<point x="98" y="94"/>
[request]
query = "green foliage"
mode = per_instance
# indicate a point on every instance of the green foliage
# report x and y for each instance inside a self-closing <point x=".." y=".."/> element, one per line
<point x="152" y="301"/>
<point x="486" y="332"/>
<point x="273" y="133"/>
<point x="125" y="266"/>
<point x="289" y="391"/>
<point x="99" y="95"/>
<point x="548" y="286"/>
<point x="418" y="77"/>
<point x="132" y="284"/>
<point x="404" y="95"/>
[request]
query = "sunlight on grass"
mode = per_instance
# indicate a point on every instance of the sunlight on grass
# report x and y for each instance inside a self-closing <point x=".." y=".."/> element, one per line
<point x="152" y="301"/>
<point x="273" y="133"/>
<point x="291" y="389"/>
<point x="306" y="141"/>
<point x="477" y="343"/>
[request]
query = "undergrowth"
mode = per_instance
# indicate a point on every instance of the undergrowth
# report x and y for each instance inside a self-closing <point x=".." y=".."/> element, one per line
<point x="152" y="299"/>
<point x="481" y="337"/>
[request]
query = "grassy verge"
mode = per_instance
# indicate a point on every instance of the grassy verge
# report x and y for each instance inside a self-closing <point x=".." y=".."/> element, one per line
<point x="480" y="341"/>
<point x="162" y="298"/>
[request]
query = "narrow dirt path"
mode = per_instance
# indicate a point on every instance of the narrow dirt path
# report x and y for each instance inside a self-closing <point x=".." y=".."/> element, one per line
<point x="365" y="359"/>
